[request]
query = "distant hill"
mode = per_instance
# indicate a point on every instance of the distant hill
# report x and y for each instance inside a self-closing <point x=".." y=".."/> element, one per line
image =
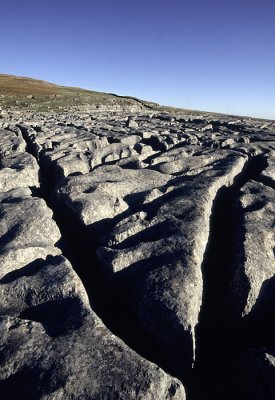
<point x="42" y="95"/>
<point x="34" y="95"/>
<point x="17" y="85"/>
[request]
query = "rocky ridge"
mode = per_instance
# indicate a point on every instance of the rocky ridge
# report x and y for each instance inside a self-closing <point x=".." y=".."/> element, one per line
<point x="161" y="225"/>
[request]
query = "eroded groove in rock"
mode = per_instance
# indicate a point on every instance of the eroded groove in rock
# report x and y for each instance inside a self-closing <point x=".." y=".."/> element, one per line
<point x="219" y="337"/>
<point x="252" y="284"/>
<point x="267" y="177"/>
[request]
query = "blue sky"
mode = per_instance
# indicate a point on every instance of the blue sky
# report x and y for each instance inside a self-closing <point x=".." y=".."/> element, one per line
<point x="201" y="54"/>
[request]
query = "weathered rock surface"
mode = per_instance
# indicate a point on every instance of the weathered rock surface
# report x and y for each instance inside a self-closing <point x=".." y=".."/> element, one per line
<point x="18" y="168"/>
<point x="52" y="344"/>
<point x="267" y="176"/>
<point x="256" y="258"/>
<point x="108" y="192"/>
<point x="27" y="230"/>
<point x="136" y="196"/>
<point x="165" y="251"/>
<point x="85" y="362"/>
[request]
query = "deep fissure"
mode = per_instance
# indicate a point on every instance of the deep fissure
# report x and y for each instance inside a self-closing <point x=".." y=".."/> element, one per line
<point x="218" y="339"/>
<point x="74" y="237"/>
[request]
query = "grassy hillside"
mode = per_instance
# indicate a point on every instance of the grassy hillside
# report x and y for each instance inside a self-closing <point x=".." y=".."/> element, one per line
<point x="40" y="95"/>
<point x="11" y="85"/>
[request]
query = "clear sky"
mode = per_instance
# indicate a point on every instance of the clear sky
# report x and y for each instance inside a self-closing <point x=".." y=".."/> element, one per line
<point x="214" y="55"/>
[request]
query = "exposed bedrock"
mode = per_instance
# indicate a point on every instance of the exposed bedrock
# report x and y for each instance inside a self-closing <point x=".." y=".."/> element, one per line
<point x="27" y="230"/>
<point x="268" y="174"/>
<point x="158" y="244"/>
<point x="220" y="333"/>
<point x="162" y="252"/>
<point x="251" y="283"/>
<point x="162" y="227"/>
<point x="255" y="262"/>
<point x="53" y="345"/>
<point x="18" y="168"/>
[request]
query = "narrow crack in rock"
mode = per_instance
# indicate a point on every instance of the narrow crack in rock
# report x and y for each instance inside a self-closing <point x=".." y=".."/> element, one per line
<point x="218" y="343"/>
<point x="74" y="242"/>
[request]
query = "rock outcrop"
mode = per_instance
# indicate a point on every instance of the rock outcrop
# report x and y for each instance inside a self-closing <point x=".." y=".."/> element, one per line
<point x="53" y="346"/>
<point x="138" y="193"/>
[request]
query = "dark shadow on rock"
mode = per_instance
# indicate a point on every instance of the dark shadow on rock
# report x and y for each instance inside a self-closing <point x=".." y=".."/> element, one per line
<point x="9" y="236"/>
<point x="258" y="327"/>
<point x="250" y="377"/>
<point x="57" y="317"/>
<point x="24" y="385"/>
<point x="159" y="231"/>
<point x="220" y="332"/>
<point x="267" y="181"/>
<point x="30" y="269"/>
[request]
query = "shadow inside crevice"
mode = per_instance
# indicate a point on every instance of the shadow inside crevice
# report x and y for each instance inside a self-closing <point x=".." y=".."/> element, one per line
<point x="221" y="333"/>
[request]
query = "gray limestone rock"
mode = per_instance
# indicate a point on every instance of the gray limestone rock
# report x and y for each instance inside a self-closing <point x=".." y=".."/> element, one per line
<point x="84" y="362"/>
<point x="17" y="167"/>
<point x="40" y="282"/>
<point x="107" y="192"/>
<point x="20" y="170"/>
<point x="27" y="230"/>
<point x="268" y="174"/>
<point x="144" y="188"/>
<point x="255" y="264"/>
<point x="11" y="142"/>
<point x="166" y="254"/>
<point x="132" y="123"/>
<point x="188" y="165"/>
<point x="52" y="344"/>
